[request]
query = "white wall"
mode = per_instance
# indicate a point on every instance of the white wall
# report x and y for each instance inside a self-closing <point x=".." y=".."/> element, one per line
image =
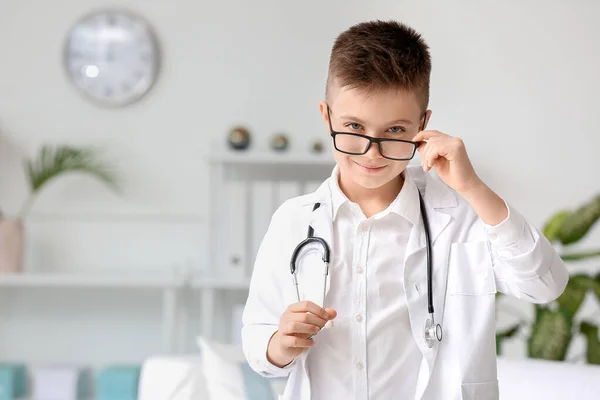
<point x="517" y="80"/>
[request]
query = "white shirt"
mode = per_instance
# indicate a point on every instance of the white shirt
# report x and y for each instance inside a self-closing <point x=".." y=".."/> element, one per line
<point x="512" y="257"/>
<point x="370" y="352"/>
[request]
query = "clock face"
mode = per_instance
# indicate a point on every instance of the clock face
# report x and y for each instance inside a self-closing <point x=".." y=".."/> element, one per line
<point x="112" y="57"/>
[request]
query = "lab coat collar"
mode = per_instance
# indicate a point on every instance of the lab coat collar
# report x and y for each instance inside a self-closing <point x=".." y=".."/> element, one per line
<point x="436" y="196"/>
<point x="406" y="203"/>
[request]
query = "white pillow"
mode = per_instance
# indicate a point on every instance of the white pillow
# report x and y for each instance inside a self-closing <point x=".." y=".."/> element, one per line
<point x="173" y="378"/>
<point x="229" y="377"/>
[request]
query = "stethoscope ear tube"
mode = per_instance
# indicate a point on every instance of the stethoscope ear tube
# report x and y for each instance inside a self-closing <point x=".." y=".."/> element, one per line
<point x="322" y="242"/>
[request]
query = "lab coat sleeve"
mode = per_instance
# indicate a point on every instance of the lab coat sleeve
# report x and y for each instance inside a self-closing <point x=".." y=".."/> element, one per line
<point x="265" y="302"/>
<point x="526" y="264"/>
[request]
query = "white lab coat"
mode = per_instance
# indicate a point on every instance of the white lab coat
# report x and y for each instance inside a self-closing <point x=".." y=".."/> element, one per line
<point x="466" y="276"/>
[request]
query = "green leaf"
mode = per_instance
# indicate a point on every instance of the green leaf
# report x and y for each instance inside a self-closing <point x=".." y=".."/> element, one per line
<point x="507" y="333"/>
<point x="596" y="288"/>
<point x="580" y="256"/>
<point x="53" y="161"/>
<point x="551" y="335"/>
<point x="553" y="226"/>
<point x="574" y="294"/>
<point x="590" y="331"/>
<point x="578" y="223"/>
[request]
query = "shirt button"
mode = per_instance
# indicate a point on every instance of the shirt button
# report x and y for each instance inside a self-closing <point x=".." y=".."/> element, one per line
<point x="364" y="228"/>
<point x="359" y="365"/>
<point x="359" y="318"/>
<point x="493" y="236"/>
<point x="359" y="269"/>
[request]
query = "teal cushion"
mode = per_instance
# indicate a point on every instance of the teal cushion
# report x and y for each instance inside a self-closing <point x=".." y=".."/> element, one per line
<point x="13" y="379"/>
<point x="118" y="383"/>
<point x="257" y="387"/>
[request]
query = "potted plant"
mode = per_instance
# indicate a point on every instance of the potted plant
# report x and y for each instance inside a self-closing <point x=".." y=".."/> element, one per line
<point x="50" y="163"/>
<point x="551" y="332"/>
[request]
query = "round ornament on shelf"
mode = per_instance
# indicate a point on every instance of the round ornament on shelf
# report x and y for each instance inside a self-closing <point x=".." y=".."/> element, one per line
<point x="239" y="138"/>
<point x="280" y="142"/>
<point x="317" y="146"/>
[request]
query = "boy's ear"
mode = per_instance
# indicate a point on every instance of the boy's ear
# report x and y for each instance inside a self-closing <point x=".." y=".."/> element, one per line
<point x="323" y="110"/>
<point x="427" y="118"/>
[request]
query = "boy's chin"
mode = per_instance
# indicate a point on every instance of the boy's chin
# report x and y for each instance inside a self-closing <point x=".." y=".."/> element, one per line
<point x="371" y="183"/>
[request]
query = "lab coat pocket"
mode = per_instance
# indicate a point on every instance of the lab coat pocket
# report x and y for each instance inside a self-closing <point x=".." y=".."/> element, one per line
<point x="470" y="270"/>
<point x="480" y="391"/>
<point x="471" y="313"/>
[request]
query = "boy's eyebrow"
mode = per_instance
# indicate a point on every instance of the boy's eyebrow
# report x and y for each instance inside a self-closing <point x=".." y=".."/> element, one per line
<point x="401" y="120"/>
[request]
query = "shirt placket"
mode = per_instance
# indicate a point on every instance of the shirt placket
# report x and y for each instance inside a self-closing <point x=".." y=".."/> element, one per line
<point x="360" y="328"/>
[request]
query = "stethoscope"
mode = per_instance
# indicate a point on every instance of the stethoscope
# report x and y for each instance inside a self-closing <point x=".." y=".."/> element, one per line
<point x="433" y="331"/>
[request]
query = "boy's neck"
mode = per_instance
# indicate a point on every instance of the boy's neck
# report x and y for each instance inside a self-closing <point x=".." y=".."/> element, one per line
<point x="371" y="201"/>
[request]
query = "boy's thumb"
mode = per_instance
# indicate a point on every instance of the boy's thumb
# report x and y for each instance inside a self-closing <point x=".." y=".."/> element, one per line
<point x="331" y="312"/>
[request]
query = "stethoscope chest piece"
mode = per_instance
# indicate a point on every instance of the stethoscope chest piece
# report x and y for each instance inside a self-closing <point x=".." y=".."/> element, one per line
<point x="433" y="332"/>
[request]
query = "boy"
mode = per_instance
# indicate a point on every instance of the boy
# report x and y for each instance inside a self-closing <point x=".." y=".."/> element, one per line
<point x="370" y="215"/>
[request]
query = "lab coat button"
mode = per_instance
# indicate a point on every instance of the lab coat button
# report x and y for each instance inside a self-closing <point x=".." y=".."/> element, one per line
<point x="359" y="318"/>
<point x="359" y="365"/>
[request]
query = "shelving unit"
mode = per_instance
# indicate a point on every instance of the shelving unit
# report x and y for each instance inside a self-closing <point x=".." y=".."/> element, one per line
<point x="246" y="187"/>
<point x="237" y="222"/>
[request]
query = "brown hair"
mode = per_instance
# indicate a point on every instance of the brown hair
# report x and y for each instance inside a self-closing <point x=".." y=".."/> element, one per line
<point x="380" y="55"/>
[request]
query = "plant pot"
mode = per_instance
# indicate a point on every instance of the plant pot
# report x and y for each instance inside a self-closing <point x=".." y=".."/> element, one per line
<point x="11" y="246"/>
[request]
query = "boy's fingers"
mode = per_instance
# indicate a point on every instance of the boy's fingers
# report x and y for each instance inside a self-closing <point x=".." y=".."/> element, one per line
<point x="308" y="306"/>
<point x="307" y="318"/>
<point x="297" y="327"/>
<point x="424" y="135"/>
<point x="332" y="313"/>
<point x="296" y="341"/>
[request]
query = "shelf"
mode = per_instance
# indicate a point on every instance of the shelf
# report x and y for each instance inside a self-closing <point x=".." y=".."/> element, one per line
<point x="128" y="280"/>
<point x="91" y="280"/>
<point x="272" y="158"/>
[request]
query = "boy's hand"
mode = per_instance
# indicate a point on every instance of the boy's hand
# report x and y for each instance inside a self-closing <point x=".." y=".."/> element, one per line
<point x="297" y="324"/>
<point x="448" y="156"/>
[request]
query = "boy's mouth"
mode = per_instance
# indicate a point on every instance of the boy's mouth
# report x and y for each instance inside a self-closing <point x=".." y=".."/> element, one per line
<point x="370" y="168"/>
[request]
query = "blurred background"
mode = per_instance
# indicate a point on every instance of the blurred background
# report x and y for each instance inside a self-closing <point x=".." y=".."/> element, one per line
<point x="115" y="277"/>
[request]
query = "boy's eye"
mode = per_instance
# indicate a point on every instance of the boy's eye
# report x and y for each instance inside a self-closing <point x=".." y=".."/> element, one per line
<point x="354" y="126"/>
<point x="397" y="129"/>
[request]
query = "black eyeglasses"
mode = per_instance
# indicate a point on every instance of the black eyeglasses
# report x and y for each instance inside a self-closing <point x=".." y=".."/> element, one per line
<point x="357" y="144"/>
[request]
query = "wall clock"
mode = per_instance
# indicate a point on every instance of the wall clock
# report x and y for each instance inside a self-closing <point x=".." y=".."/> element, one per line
<point x="112" y="57"/>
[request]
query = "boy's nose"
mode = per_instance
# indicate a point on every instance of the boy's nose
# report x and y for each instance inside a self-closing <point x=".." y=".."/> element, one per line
<point x="373" y="151"/>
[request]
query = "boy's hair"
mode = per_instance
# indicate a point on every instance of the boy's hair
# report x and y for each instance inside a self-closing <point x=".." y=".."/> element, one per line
<point x="378" y="55"/>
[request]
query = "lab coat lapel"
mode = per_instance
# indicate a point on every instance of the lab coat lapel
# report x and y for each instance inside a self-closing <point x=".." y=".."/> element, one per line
<point x="321" y="221"/>
<point x="436" y="196"/>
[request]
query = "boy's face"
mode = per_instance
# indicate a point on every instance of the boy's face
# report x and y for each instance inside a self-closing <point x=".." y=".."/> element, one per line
<point x="387" y="114"/>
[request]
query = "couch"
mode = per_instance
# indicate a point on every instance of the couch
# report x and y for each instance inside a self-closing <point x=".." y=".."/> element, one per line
<point x="184" y="377"/>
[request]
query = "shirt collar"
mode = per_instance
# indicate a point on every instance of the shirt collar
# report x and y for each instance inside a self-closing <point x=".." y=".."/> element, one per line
<point x="406" y="204"/>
